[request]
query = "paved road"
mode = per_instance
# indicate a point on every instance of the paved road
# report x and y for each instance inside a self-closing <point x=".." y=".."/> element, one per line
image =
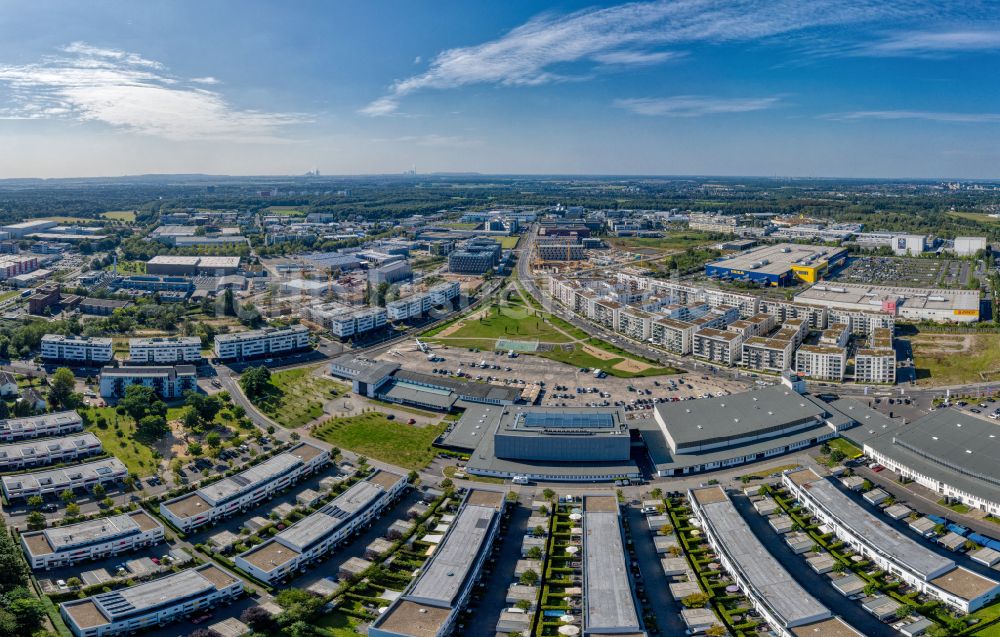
<point x="657" y="592"/>
<point x="818" y="585"/>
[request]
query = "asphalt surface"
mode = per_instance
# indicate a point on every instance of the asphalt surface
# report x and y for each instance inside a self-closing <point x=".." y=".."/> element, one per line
<point x="655" y="584"/>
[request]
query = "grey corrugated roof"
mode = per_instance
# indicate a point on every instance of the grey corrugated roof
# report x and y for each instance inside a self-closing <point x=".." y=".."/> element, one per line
<point x="607" y="590"/>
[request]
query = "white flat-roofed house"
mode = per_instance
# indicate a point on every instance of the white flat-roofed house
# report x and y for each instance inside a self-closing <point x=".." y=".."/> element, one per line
<point x="76" y="349"/>
<point x="92" y="539"/>
<point x="244" y="490"/>
<point x="175" y="349"/>
<point x="261" y="342"/>
<point x="313" y="536"/>
<point x="43" y="426"/>
<point x="81" y="476"/>
<point x="37" y="453"/>
<point x="346" y="320"/>
<point x="151" y="604"/>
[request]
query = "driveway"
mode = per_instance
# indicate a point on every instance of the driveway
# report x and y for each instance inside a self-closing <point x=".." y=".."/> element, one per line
<point x="657" y="592"/>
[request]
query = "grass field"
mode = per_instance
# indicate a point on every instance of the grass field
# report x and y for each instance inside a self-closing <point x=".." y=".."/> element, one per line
<point x="296" y="397"/>
<point x="510" y="322"/>
<point x="129" y="267"/>
<point x="953" y="359"/>
<point x="137" y="457"/>
<point x="673" y="241"/>
<point x="376" y="436"/>
<point x="509" y="243"/>
<point x="577" y="357"/>
<point x="64" y="219"/>
<point x="975" y="216"/>
<point x="8" y="295"/>
<point x="127" y="216"/>
<point x="287" y="210"/>
<point x="846" y="447"/>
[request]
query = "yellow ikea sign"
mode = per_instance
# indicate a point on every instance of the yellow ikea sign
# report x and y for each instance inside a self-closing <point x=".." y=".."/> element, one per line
<point x="966" y="312"/>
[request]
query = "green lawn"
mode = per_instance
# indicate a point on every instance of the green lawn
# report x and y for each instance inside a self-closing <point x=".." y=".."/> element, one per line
<point x="8" y="294"/>
<point x="845" y="446"/>
<point x="509" y="243"/>
<point x="129" y="267"/>
<point x="376" y="436"/>
<point x="120" y="215"/>
<point x="296" y="396"/>
<point x="512" y="322"/>
<point x="136" y="456"/>
<point x="287" y="210"/>
<point x="673" y="241"/>
<point x="337" y="624"/>
<point x="577" y="357"/>
<point x="944" y="359"/>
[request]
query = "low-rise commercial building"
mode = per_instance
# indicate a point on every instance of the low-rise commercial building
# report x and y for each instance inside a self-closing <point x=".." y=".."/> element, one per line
<point x="778" y="264"/>
<point x="245" y="489"/>
<point x="430" y="606"/>
<point x="887" y="548"/>
<point x="76" y="349"/>
<point x="54" y="424"/>
<point x="90" y="540"/>
<point x="38" y="453"/>
<point x="192" y="265"/>
<point x="174" y="349"/>
<point x="151" y="604"/>
<point x="80" y="476"/>
<point x="315" y="535"/>
<point x="913" y="304"/>
<point x="167" y="381"/>
<point x="262" y="342"/>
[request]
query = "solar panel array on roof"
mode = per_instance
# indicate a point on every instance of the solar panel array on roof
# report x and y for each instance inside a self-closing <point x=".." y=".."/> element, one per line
<point x="573" y="420"/>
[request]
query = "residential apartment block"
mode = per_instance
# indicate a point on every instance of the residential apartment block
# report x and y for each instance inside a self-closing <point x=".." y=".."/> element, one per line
<point x="417" y="305"/>
<point x="38" y="453"/>
<point x="263" y="342"/>
<point x="244" y="490"/>
<point x="91" y="540"/>
<point x="175" y="349"/>
<point x="167" y="381"/>
<point x="76" y="349"/>
<point x="821" y="362"/>
<point x="53" y="481"/>
<point x="54" y="424"/>
<point x="346" y="320"/>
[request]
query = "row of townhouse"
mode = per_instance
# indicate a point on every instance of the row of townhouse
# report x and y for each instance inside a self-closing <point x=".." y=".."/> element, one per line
<point x="81" y="476"/>
<point x="417" y="305"/>
<point x="244" y="490"/>
<point x="91" y="539"/>
<point x="887" y="548"/>
<point x="262" y="342"/>
<point x="55" y="424"/>
<point x="37" y="453"/>
<point x="152" y="604"/>
<point x="314" y="536"/>
<point x="346" y="320"/>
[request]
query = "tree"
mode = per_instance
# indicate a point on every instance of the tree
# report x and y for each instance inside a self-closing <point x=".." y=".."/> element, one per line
<point x="255" y="381"/>
<point x="837" y="455"/>
<point x="195" y="449"/>
<point x="36" y="520"/>
<point x="72" y="509"/>
<point x="67" y="496"/>
<point x="61" y="388"/>
<point x="213" y="439"/>
<point x="535" y="553"/>
<point x="190" y="419"/>
<point x="98" y="490"/>
<point x="695" y="600"/>
<point x="137" y="401"/>
<point x="36" y="502"/>
<point x="259" y="620"/>
<point x="73" y="582"/>
<point x="548" y="494"/>
<point x="716" y="630"/>
<point x="21" y="614"/>
<point x="151" y="428"/>
<point x="529" y="577"/>
<point x="298" y="605"/>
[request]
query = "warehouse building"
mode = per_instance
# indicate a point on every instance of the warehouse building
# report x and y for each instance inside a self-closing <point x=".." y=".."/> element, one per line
<point x="53" y="481"/>
<point x="38" y="453"/>
<point x="911" y="304"/>
<point x="169" y="382"/>
<point x="151" y="604"/>
<point x="77" y="349"/>
<point x="969" y="246"/>
<point x="20" y="230"/>
<point x="430" y="606"/>
<point x="262" y="342"/>
<point x="889" y="549"/>
<point x="173" y="349"/>
<point x="312" y="537"/>
<point x="55" y="424"/>
<point x="778" y="264"/>
<point x="191" y="265"/>
<point x="245" y="489"/>
<point x="91" y="539"/>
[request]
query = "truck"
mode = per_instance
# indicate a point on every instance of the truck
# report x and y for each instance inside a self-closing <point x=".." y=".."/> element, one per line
<point x="599" y="373"/>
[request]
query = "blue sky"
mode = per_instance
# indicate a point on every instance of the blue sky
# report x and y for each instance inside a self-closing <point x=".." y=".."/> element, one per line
<point x="856" y="88"/>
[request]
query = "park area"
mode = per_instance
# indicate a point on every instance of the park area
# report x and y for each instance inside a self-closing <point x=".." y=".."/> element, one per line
<point x="295" y="397"/>
<point x="956" y="359"/>
<point x="374" y="435"/>
<point x="116" y="432"/>
<point x="128" y="216"/>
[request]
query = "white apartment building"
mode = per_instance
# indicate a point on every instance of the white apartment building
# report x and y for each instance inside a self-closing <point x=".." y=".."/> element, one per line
<point x="836" y="335"/>
<point x="417" y="305"/>
<point x="76" y="349"/>
<point x="861" y="322"/>
<point x="764" y="354"/>
<point x="152" y="604"/>
<point x="91" y="539"/>
<point x="756" y="325"/>
<point x="38" y="453"/>
<point x="315" y="535"/>
<point x="875" y="366"/>
<point x="244" y="490"/>
<point x="717" y="346"/>
<point x="54" y="424"/>
<point x="168" y="381"/>
<point x="673" y="335"/>
<point x="263" y="342"/>
<point x="175" y="349"/>
<point x="80" y="476"/>
<point x="346" y="320"/>
<point x="635" y="323"/>
<point x="821" y="362"/>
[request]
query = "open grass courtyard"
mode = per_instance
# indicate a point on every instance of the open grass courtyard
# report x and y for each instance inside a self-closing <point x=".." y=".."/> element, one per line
<point x="296" y="396"/>
<point x="375" y="436"/>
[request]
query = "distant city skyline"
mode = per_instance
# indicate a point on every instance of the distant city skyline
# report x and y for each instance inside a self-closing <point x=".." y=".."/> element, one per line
<point x="850" y="88"/>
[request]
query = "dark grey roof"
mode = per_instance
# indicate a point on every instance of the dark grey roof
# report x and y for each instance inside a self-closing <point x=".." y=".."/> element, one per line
<point x="461" y="387"/>
<point x="414" y="394"/>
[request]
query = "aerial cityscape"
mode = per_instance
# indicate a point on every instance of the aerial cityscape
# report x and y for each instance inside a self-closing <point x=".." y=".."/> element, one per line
<point x="642" y="319"/>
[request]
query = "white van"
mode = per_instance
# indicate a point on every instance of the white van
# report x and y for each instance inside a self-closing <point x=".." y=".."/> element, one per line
<point x="520" y="479"/>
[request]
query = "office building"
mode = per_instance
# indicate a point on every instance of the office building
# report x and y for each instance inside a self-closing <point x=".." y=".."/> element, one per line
<point x="312" y="537"/>
<point x="38" y="453"/>
<point x="417" y="305"/>
<point x="151" y="604"/>
<point x="245" y="489"/>
<point x="54" y="481"/>
<point x="90" y="540"/>
<point x="561" y="251"/>
<point x="475" y="256"/>
<point x="169" y="382"/>
<point x="173" y="349"/>
<point x="77" y="349"/>
<point x="345" y="321"/>
<point x="263" y="342"/>
<point x="430" y="606"/>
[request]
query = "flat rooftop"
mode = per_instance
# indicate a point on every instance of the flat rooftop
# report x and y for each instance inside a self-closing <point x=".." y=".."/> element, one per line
<point x="833" y="627"/>
<point x="897" y="546"/>
<point x="780" y="258"/>
<point x="272" y="468"/>
<point x="42" y="448"/>
<point x="770" y="582"/>
<point x="72" y="536"/>
<point x="873" y="295"/>
<point x="963" y="583"/>
<point x="271" y="554"/>
<point x="414" y="619"/>
<point x="20" y="427"/>
<point x="86" y="614"/>
<point x="607" y="587"/>
<point x="66" y="475"/>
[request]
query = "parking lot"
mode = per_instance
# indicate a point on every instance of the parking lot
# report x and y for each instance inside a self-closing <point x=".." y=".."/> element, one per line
<point x="561" y="385"/>
<point x="924" y="273"/>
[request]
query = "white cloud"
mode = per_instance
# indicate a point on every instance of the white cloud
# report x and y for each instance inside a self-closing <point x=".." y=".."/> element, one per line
<point x="439" y="141"/>
<point x="638" y="32"/>
<point x="418" y="60"/>
<point x="933" y="116"/>
<point x="695" y="105"/>
<point x="127" y="91"/>
<point x="933" y="43"/>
